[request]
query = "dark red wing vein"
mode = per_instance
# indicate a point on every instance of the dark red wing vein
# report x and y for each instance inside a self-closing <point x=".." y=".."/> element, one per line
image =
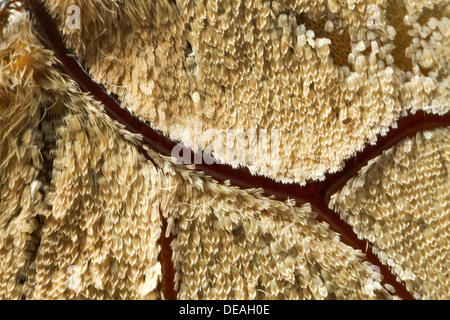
<point x="316" y="193"/>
